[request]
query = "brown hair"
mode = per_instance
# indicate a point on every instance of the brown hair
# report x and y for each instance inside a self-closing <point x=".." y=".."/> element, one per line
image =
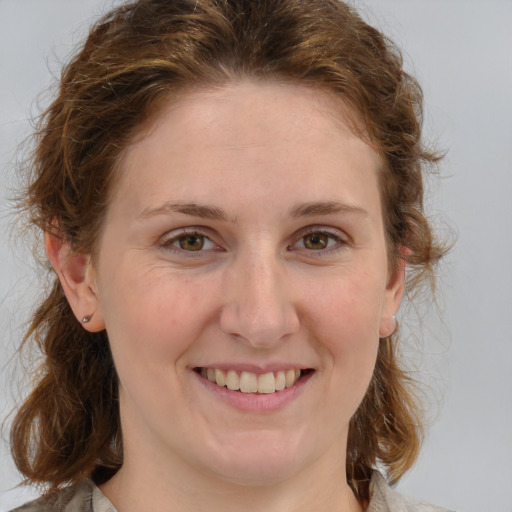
<point x="136" y="57"/>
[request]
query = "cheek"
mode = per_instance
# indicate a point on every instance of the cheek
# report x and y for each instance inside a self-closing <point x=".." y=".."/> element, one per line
<point x="349" y="308"/>
<point x="153" y="316"/>
<point x="345" y="323"/>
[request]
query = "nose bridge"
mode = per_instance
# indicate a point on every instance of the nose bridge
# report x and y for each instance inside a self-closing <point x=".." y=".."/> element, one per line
<point x="259" y="306"/>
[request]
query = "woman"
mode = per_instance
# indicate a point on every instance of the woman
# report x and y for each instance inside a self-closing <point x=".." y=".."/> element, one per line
<point x="230" y="193"/>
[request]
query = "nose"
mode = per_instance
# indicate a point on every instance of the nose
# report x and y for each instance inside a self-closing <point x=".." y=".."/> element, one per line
<point x="258" y="307"/>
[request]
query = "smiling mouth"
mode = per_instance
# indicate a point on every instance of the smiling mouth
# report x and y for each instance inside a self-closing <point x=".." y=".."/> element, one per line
<point x="248" y="382"/>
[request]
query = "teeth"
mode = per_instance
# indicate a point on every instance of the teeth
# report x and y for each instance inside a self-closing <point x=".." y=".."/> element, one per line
<point x="289" y="378"/>
<point x="232" y="380"/>
<point x="248" y="382"/>
<point x="266" y="383"/>
<point x="280" y="381"/>
<point x="220" y="380"/>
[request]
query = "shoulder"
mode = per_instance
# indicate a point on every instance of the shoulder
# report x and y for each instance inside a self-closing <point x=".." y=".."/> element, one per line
<point x="385" y="499"/>
<point x="69" y="499"/>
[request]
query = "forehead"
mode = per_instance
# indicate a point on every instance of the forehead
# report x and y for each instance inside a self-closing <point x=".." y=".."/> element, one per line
<point x="268" y="132"/>
<point x="241" y="95"/>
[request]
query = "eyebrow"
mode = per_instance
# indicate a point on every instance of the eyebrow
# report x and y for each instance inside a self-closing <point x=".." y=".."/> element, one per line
<point x="326" y="208"/>
<point x="214" y="213"/>
<point x="193" y="209"/>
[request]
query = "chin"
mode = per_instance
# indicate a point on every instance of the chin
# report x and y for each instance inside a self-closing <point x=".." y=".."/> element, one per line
<point x="265" y="460"/>
<point x="256" y="474"/>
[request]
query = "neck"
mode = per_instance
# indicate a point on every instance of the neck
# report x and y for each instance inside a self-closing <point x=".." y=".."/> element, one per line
<point x="319" y="487"/>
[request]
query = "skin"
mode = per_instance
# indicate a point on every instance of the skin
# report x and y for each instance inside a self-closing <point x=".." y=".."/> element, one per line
<point x="261" y="293"/>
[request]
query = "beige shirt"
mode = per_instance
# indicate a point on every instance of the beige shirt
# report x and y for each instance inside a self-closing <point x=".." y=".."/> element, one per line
<point x="88" y="498"/>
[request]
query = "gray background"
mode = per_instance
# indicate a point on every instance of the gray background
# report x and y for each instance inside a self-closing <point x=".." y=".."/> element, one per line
<point x="461" y="50"/>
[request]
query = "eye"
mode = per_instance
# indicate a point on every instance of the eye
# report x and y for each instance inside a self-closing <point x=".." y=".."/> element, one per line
<point x="188" y="242"/>
<point x="316" y="241"/>
<point x="192" y="242"/>
<point x="319" y="240"/>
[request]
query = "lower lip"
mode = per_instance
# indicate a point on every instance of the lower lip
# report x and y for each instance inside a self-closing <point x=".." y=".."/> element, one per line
<point x="260" y="402"/>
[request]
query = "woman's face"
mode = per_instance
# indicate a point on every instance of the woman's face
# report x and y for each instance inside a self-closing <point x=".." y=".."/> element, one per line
<point x="244" y="244"/>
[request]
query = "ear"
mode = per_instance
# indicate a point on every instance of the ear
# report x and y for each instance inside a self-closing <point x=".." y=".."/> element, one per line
<point x="392" y="299"/>
<point x="76" y="277"/>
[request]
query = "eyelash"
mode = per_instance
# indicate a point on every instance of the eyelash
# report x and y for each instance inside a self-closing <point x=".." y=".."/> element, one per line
<point x="168" y="242"/>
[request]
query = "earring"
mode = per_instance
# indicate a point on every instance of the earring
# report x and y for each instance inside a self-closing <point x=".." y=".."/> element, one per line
<point x="86" y="319"/>
<point x="395" y="324"/>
